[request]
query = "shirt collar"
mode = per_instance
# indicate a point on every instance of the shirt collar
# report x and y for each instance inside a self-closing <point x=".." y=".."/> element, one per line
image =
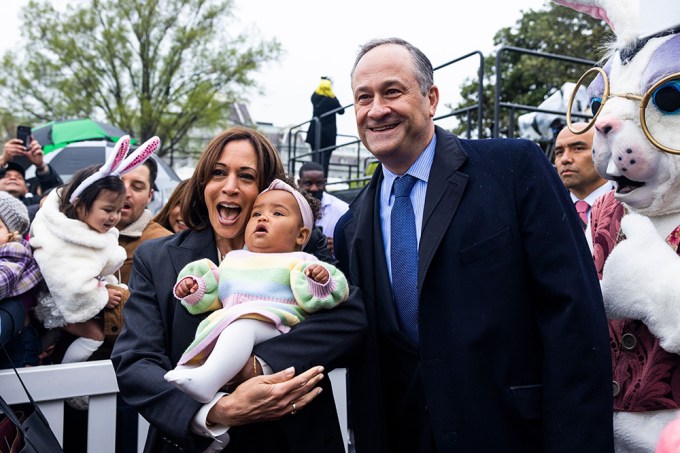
<point x="595" y="194"/>
<point x="420" y="168"/>
<point x="325" y="200"/>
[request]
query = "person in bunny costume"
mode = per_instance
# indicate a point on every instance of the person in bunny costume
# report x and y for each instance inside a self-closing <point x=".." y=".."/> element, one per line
<point x="635" y="100"/>
<point x="75" y="244"/>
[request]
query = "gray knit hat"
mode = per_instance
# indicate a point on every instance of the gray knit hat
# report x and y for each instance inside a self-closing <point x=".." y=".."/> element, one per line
<point x="13" y="213"/>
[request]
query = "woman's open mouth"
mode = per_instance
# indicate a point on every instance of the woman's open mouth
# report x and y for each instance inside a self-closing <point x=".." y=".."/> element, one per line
<point x="625" y="185"/>
<point x="228" y="213"/>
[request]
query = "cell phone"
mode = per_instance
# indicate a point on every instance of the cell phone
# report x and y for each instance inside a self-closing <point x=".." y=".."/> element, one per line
<point x="24" y="134"/>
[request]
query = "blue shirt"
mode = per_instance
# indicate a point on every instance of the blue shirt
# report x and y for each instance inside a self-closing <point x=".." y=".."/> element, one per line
<point x="421" y="171"/>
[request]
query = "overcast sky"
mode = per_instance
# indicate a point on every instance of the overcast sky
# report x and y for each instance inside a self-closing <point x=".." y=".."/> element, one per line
<point x="322" y="38"/>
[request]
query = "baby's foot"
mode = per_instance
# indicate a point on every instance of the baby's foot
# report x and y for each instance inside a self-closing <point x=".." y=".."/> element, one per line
<point x="189" y="380"/>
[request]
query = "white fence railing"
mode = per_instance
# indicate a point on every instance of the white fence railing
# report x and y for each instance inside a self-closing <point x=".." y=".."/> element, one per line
<point x="50" y="385"/>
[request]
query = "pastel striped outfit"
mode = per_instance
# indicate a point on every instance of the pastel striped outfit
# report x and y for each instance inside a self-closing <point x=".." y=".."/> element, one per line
<point x="271" y="287"/>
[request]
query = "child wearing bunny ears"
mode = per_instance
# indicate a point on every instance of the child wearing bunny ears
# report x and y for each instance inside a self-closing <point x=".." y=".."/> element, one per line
<point x="258" y="293"/>
<point x="75" y="243"/>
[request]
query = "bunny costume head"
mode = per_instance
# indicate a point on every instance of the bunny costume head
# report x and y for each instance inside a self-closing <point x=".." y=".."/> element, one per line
<point x="636" y="100"/>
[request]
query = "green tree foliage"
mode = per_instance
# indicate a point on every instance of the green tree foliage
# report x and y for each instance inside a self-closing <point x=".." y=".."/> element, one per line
<point x="528" y="79"/>
<point x="150" y="67"/>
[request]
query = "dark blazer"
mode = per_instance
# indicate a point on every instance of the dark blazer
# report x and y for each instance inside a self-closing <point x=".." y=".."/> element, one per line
<point x="158" y="329"/>
<point x="513" y="352"/>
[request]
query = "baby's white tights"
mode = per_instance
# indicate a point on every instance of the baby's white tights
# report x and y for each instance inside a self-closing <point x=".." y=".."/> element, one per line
<point x="232" y="351"/>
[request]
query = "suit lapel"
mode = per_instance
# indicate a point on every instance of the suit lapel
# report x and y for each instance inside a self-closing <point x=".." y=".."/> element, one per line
<point x="360" y="233"/>
<point x="197" y="245"/>
<point x="388" y="310"/>
<point x="444" y="191"/>
<point x="367" y="256"/>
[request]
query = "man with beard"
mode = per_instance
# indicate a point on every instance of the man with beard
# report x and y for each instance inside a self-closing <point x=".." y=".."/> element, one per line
<point x="135" y="223"/>
<point x="313" y="180"/>
<point x="135" y="227"/>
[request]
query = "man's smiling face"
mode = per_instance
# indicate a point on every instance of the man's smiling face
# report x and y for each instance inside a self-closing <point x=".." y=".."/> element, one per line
<point x="394" y="118"/>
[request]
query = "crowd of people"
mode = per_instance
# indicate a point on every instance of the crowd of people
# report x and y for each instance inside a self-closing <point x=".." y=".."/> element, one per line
<point x="458" y="287"/>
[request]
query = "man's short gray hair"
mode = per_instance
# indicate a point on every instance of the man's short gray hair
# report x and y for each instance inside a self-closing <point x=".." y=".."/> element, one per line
<point x="424" y="72"/>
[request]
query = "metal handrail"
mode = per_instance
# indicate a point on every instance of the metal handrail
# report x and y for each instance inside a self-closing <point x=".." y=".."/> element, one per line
<point x="480" y="91"/>
<point x="535" y="53"/>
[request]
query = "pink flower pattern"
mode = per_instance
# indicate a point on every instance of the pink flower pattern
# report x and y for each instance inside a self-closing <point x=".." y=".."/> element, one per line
<point x="647" y="376"/>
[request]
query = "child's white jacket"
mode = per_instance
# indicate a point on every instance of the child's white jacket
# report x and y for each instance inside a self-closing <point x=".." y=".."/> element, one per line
<point x="76" y="262"/>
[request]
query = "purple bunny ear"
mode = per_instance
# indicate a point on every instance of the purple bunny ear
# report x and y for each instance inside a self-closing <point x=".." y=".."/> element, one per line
<point x="138" y="157"/>
<point x="118" y="154"/>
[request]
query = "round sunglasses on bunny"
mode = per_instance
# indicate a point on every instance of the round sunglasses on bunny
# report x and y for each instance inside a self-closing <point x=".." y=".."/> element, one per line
<point x="664" y="96"/>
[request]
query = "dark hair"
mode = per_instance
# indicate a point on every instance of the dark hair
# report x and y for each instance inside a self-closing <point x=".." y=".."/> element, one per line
<point x="163" y="216"/>
<point x="151" y="164"/>
<point x="313" y="202"/>
<point x="424" y="72"/>
<point x="311" y="166"/>
<point x="269" y="167"/>
<point x="91" y="192"/>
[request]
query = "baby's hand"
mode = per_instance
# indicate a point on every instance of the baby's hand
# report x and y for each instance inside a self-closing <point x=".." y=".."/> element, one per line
<point x="185" y="287"/>
<point x="115" y="296"/>
<point x="318" y="273"/>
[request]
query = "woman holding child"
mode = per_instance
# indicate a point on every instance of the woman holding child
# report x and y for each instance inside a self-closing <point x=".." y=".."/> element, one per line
<point x="284" y="411"/>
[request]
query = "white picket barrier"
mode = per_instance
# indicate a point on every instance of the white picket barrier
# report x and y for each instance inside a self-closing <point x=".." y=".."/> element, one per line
<point x="50" y="385"/>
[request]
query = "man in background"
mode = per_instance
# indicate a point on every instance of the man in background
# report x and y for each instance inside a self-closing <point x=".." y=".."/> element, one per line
<point x="135" y="223"/>
<point x="135" y="226"/>
<point x="13" y="173"/>
<point x="574" y="164"/>
<point x="313" y="180"/>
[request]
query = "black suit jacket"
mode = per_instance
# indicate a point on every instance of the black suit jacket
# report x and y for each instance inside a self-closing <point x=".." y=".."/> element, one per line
<point x="513" y="352"/>
<point x="158" y="329"/>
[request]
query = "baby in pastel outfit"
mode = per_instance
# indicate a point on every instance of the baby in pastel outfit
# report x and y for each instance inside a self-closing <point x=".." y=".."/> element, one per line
<point x="257" y="293"/>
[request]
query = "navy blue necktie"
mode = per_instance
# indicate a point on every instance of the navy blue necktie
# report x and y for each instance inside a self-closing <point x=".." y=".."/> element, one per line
<point x="404" y="256"/>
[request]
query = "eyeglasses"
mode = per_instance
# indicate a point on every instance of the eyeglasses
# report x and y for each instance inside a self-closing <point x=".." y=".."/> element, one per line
<point x="658" y="106"/>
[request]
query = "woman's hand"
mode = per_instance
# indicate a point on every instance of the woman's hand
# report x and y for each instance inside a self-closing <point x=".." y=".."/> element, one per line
<point x="318" y="273"/>
<point x="266" y="398"/>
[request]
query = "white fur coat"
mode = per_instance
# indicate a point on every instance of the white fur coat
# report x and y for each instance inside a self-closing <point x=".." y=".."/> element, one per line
<point x="75" y="261"/>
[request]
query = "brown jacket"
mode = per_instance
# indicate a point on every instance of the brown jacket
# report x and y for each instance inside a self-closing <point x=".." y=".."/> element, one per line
<point x="113" y="319"/>
<point x="152" y="231"/>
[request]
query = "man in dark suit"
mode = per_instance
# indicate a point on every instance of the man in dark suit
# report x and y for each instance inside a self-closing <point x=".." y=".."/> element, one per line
<point x="502" y="344"/>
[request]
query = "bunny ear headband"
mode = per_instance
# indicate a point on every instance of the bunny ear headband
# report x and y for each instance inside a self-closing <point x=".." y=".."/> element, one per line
<point x="117" y="164"/>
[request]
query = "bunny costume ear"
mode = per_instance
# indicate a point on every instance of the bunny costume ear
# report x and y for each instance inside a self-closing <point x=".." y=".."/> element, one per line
<point x="623" y="16"/>
<point x="117" y="164"/>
